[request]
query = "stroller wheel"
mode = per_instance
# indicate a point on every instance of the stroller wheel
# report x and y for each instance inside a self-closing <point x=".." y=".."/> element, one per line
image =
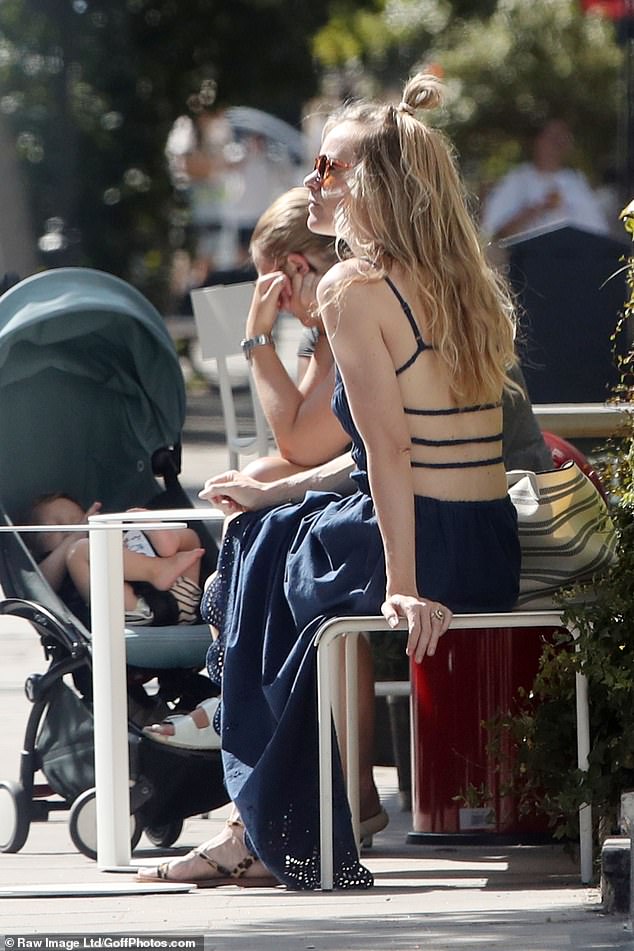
<point x="164" y="835"/>
<point x="15" y="818"/>
<point x="82" y="825"/>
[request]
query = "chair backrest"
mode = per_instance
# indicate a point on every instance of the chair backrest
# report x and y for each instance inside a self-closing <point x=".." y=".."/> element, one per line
<point x="220" y="313"/>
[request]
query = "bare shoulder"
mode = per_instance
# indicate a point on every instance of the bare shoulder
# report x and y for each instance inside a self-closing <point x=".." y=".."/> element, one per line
<point x="358" y="280"/>
<point x="341" y="271"/>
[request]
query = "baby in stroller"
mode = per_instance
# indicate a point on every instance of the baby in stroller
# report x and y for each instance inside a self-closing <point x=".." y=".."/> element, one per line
<point x="97" y="355"/>
<point x="167" y="561"/>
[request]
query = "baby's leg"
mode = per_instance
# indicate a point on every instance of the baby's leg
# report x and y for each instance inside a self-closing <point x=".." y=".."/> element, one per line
<point x="78" y="566"/>
<point x="159" y="572"/>
<point x="162" y="572"/>
<point x="167" y="543"/>
<point x="130" y="599"/>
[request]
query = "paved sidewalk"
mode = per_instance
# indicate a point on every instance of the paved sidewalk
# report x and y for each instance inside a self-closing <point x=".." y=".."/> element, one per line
<point x="501" y="899"/>
<point x="432" y="898"/>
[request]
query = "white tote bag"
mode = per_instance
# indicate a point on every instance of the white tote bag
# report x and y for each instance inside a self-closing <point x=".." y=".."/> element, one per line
<point x="565" y="530"/>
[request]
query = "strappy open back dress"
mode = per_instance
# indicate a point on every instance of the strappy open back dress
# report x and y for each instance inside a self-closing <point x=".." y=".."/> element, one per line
<point x="281" y="572"/>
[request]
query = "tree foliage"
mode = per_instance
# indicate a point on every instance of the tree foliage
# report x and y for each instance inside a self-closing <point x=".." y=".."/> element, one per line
<point x="507" y="64"/>
<point x="526" y="62"/>
<point x="387" y="38"/>
<point x="92" y="87"/>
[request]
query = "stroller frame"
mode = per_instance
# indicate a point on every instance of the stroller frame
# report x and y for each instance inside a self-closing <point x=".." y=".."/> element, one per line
<point x="69" y="337"/>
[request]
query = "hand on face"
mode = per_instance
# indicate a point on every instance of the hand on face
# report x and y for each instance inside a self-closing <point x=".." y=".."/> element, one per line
<point x="302" y="299"/>
<point x="269" y="298"/>
<point x="293" y="289"/>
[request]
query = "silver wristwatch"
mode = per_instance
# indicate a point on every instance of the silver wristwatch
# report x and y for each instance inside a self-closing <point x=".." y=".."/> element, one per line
<point x="251" y="343"/>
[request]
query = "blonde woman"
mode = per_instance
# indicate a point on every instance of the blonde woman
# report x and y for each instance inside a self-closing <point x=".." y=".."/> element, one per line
<point x="290" y="260"/>
<point x="422" y="335"/>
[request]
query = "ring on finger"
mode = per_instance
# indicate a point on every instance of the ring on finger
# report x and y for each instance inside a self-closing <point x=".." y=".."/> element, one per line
<point x="438" y="613"/>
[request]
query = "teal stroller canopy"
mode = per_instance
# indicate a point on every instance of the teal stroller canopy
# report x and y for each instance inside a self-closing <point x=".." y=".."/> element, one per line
<point x="90" y="388"/>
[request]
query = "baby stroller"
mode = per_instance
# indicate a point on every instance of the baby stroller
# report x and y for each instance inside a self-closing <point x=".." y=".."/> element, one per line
<point x="92" y="403"/>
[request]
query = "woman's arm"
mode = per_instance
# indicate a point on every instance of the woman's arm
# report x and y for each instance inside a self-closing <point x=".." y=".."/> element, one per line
<point x="360" y="351"/>
<point x="234" y="491"/>
<point x="303" y="364"/>
<point x="526" y="217"/>
<point x="306" y="430"/>
<point x="509" y="209"/>
<point x="361" y="354"/>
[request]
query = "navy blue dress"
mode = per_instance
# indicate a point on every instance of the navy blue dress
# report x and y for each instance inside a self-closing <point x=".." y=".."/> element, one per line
<point x="281" y="572"/>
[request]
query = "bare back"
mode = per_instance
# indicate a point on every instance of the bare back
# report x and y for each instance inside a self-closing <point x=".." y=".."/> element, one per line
<point x="456" y="450"/>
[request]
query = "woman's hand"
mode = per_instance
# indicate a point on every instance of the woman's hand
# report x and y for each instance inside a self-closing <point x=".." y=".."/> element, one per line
<point x="427" y="621"/>
<point x="301" y="301"/>
<point x="270" y="296"/>
<point x="295" y="293"/>
<point x="232" y="492"/>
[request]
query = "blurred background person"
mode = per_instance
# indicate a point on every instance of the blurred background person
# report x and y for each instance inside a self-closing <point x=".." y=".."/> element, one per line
<point x="259" y="171"/>
<point x="228" y="173"/>
<point x="543" y="192"/>
<point x="196" y="155"/>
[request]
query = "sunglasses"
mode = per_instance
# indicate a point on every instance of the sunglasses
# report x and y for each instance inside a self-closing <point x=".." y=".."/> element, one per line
<point x="325" y="167"/>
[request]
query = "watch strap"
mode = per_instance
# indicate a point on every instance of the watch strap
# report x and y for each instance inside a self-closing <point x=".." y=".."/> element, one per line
<point x="250" y="343"/>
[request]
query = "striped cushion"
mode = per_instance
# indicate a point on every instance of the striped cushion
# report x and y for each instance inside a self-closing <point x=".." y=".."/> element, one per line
<point x="566" y="533"/>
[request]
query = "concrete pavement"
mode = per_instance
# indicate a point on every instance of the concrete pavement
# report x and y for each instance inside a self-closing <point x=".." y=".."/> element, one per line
<point x="521" y="898"/>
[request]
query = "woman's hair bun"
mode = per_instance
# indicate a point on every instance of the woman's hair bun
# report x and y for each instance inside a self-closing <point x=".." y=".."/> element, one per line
<point x="422" y="91"/>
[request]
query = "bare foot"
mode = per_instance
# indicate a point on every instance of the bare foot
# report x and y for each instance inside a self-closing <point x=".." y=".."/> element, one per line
<point x="167" y="570"/>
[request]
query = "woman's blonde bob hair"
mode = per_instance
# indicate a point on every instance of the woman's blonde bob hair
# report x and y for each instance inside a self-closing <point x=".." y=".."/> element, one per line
<point x="282" y="229"/>
<point x="407" y="205"/>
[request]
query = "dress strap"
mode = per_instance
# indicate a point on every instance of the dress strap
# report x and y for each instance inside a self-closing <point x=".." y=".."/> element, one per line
<point x="463" y="441"/>
<point x="421" y="346"/>
<point x="472" y="464"/>
<point x="453" y="410"/>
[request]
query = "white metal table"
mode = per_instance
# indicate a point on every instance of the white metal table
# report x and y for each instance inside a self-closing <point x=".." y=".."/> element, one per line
<point x="582" y="420"/>
<point x="112" y="773"/>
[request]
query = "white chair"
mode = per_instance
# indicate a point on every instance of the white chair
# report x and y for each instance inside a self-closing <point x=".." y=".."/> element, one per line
<point x="345" y="710"/>
<point x="220" y="313"/>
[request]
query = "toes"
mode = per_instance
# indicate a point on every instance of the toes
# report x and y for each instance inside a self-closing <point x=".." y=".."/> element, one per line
<point x="163" y="729"/>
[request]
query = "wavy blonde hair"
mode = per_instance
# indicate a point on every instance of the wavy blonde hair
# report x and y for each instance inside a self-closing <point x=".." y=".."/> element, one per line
<point x="282" y="229"/>
<point x="407" y="205"/>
